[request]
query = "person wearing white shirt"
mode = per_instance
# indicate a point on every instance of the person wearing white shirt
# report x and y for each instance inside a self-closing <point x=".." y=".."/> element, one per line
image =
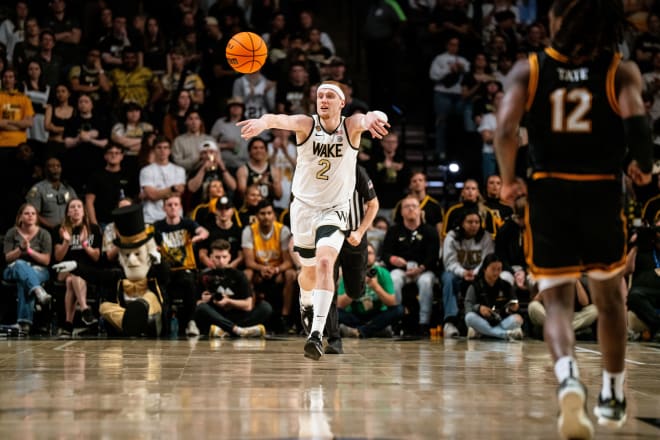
<point x="159" y="181"/>
<point x="446" y="72"/>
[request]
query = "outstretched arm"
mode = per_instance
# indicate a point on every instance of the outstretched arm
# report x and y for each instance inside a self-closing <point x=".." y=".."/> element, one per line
<point x="375" y="122"/>
<point x="301" y="124"/>
<point x="511" y="111"/>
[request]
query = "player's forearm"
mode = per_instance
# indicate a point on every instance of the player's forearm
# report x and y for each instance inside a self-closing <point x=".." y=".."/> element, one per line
<point x="370" y="214"/>
<point x="506" y="149"/>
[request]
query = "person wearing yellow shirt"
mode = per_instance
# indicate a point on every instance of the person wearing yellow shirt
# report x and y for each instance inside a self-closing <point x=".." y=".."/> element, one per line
<point x="15" y="112"/>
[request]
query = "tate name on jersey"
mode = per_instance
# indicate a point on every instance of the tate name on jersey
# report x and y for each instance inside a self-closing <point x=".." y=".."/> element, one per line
<point x="573" y="75"/>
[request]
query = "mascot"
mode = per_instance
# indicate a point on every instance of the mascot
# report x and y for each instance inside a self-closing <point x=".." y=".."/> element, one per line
<point x="138" y="307"/>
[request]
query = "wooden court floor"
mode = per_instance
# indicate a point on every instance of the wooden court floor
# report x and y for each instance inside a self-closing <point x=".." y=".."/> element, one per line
<point x="265" y="389"/>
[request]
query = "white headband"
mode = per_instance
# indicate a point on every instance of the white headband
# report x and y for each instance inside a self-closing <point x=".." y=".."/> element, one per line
<point x="334" y="88"/>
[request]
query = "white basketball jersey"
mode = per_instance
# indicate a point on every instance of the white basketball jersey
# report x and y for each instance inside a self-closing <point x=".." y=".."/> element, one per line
<point x="325" y="167"/>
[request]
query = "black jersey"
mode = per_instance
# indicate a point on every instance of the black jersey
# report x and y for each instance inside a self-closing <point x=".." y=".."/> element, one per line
<point x="574" y="124"/>
<point x="255" y="178"/>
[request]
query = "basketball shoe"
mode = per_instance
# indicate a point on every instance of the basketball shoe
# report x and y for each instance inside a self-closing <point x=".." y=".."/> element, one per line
<point x="611" y="412"/>
<point x="314" y="346"/>
<point x="573" y="422"/>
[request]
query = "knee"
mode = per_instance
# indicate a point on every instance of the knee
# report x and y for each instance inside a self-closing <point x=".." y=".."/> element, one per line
<point x="425" y="282"/>
<point x="535" y="307"/>
<point x="518" y="319"/>
<point x="265" y="308"/>
<point x="325" y="264"/>
<point x="635" y="297"/>
<point x="21" y="264"/>
<point x="290" y="276"/>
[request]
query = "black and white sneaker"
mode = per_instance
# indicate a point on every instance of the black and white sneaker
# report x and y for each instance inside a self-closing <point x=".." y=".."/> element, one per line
<point x="611" y="413"/>
<point x="88" y="317"/>
<point x="306" y="318"/>
<point x="314" y="346"/>
<point x="573" y="421"/>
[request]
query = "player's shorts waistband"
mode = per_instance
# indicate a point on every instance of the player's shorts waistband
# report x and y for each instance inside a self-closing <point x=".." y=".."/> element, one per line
<point x="572" y="176"/>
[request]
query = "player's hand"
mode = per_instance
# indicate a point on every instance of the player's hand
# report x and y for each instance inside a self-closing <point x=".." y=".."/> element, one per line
<point x="354" y="238"/>
<point x="636" y="175"/>
<point x="251" y="127"/>
<point x="510" y="192"/>
<point x="376" y="126"/>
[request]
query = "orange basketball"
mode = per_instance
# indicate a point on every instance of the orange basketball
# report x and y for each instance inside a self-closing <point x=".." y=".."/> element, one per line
<point x="246" y="52"/>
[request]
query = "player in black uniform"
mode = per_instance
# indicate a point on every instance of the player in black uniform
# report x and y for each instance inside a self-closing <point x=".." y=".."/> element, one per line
<point x="584" y="106"/>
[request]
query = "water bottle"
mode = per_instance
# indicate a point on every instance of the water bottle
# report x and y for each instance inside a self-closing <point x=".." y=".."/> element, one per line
<point x="174" y="327"/>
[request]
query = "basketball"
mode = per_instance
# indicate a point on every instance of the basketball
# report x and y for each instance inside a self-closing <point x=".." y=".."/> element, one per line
<point x="246" y="52"/>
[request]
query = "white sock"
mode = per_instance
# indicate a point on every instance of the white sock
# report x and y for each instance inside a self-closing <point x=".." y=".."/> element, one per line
<point x="566" y="366"/>
<point x="322" y="300"/>
<point x="613" y="383"/>
<point x="306" y="297"/>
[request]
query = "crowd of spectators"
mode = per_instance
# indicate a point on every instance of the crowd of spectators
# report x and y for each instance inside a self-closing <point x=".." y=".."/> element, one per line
<point x="106" y="103"/>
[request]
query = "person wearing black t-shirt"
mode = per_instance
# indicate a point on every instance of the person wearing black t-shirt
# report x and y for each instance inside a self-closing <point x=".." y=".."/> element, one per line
<point x="108" y="186"/>
<point x="85" y="135"/>
<point x="175" y="237"/>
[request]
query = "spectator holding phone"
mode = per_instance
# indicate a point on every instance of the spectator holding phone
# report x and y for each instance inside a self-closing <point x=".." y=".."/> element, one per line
<point x="491" y="305"/>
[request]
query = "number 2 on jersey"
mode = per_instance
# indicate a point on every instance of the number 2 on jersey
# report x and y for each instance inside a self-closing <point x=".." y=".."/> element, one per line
<point x="575" y="121"/>
<point x="325" y="166"/>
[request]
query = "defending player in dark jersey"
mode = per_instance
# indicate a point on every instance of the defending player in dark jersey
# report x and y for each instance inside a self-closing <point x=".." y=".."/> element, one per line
<point x="584" y="107"/>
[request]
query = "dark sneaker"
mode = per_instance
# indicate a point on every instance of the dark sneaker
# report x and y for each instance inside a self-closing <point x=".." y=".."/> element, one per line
<point x="66" y="331"/>
<point x="25" y="327"/>
<point x="306" y="318"/>
<point x="334" y="346"/>
<point x="88" y="317"/>
<point x="285" y="326"/>
<point x="573" y="422"/>
<point x="314" y="346"/>
<point x="63" y="334"/>
<point x="611" y="412"/>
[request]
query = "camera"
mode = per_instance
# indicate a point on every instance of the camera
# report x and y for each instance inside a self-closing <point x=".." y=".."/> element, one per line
<point x="214" y="281"/>
<point x="495" y="318"/>
<point x="372" y="272"/>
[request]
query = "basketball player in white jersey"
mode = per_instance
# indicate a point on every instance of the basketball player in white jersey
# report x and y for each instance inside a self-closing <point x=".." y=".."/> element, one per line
<point x="323" y="183"/>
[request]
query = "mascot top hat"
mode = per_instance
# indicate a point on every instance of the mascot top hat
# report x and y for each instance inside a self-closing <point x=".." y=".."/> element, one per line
<point x="129" y="224"/>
